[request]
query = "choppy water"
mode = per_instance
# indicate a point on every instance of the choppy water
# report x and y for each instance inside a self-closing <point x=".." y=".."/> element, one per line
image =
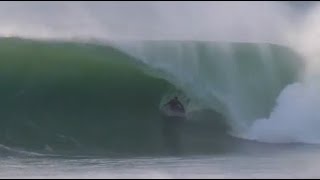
<point x="275" y="162"/>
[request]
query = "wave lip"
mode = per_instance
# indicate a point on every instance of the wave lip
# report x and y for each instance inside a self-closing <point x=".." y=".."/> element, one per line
<point x="108" y="95"/>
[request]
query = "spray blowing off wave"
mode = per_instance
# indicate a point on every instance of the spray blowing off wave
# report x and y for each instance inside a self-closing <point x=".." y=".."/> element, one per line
<point x="238" y="80"/>
<point x="78" y="94"/>
<point x="296" y="116"/>
<point x="214" y="21"/>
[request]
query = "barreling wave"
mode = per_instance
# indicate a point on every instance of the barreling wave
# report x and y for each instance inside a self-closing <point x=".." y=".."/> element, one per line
<point x="64" y="95"/>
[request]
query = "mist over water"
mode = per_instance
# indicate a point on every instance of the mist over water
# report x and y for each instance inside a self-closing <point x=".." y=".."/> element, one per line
<point x="296" y="116"/>
<point x="84" y="101"/>
<point x="214" y="21"/>
<point x="258" y="22"/>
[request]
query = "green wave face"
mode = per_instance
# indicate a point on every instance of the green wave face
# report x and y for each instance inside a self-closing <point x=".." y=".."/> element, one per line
<point x="108" y="96"/>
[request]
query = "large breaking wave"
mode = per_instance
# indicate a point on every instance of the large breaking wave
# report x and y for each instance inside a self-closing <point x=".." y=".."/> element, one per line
<point x="61" y="95"/>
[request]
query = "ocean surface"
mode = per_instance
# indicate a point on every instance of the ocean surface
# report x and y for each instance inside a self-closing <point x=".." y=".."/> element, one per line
<point x="90" y="106"/>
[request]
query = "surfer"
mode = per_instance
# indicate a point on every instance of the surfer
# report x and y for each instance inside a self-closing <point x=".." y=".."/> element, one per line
<point x="176" y="105"/>
<point x="173" y="115"/>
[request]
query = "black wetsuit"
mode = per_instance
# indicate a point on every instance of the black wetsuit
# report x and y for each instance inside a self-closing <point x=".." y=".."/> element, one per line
<point x="175" y="105"/>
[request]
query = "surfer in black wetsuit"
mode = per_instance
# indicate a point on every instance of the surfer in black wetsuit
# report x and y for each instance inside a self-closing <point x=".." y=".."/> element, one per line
<point x="176" y="105"/>
<point x="172" y="125"/>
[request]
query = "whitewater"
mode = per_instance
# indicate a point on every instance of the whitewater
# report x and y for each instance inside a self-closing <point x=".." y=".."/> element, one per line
<point x="82" y="88"/>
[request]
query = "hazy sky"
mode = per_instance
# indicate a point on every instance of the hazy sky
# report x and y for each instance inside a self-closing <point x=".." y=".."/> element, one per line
<point x="226" y="21"/>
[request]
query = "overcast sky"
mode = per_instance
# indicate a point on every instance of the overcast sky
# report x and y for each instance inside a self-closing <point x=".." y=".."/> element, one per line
<point x="230" y="21"/>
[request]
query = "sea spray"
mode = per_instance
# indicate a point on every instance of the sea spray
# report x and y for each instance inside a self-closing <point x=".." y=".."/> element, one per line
<point x="296" y="117"/>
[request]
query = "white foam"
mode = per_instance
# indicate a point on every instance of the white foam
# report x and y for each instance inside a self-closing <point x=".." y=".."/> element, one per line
<point x="296" y="117"/>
